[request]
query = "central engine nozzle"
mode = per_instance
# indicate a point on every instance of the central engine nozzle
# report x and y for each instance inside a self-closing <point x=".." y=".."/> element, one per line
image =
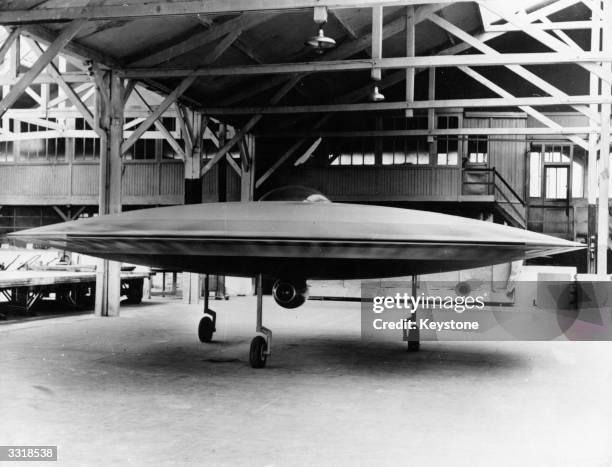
<point x="290" y="293"/>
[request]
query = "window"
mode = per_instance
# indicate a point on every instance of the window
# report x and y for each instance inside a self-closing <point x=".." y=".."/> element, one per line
<point x="557" y="182"/>
<point x="357" y="152"/>
<point x="557" y="154"/>
<point x="448" y="146"/>
<point x="168" y="151"/>
<point x="549" y="169"/>
<point x="579" y="161"/>
<point x="169" y="123"/>
<point x="577" y="179"/>
<point x="418" y="122"/>
<point x="143" y="149"/>
<point x="405" y="151"/>
<point x="85" y="148"/>
<point x="40" y="149"/>
<point x="478" y="148"/>
<point x="6" y="151"/>
<point x="535" y="173"/>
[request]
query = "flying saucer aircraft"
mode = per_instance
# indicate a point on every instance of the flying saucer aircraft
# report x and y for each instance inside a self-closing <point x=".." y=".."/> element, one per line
<point x="292" y="241"/>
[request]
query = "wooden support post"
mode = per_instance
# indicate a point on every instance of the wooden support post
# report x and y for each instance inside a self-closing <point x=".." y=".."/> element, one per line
<point x="431" y="113"/>
<point x="377" y="39"/>
<point x="108" y="283"/>
<point x="222" y="168"/>
<point x="410" y="51"/>
<point x="247" y="172"/>
<point x="604" y="154"/>
<point x="592" y="155"/>
<point x="191" y="286"/>
<point x="193" y="162"/>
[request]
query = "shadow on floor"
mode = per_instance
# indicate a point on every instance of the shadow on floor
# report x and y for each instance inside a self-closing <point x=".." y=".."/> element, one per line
<point x="349" y="356"/>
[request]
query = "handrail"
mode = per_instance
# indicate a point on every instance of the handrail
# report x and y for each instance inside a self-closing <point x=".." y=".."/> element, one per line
<point x="495" y="173"/>
<point x="503" y="180"/>
<point x="497" y="189"/>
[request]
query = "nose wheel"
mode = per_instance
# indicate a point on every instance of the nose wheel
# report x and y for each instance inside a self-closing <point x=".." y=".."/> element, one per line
<point x="261" y="345"/>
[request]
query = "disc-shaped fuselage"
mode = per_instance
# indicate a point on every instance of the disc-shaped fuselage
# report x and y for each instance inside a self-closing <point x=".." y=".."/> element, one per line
<point x="310" y="240"/>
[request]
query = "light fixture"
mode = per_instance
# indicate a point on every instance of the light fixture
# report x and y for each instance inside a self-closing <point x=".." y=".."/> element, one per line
<point x="320" y="43"/>
<point x="376" y="96"/>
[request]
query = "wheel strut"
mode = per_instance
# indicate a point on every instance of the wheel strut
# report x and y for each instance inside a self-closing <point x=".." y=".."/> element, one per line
<point x="261" y="345"/>
<point x="208" y="324"/>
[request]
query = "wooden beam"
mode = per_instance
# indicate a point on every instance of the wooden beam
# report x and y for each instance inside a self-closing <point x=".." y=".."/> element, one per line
<point x="527" y="109"/>
<point x="45" y="78"/>
<point x="249" y="125"/>
<point x="167" y="102"/>
<point x="232" y="163"/>
<point x="410" y="52"/>
<point x="290" y="152"/>
<point x="434" y="132"/>
<point x="603" y="214"/>
<point x="343" y="51"/>
<point x="377" y="39"/>
<point x="545" y="38"/>
<point x="60" y="213"/>
<point x="70" y="93"/>
<point x="74" y="48"/>
<point x="544" y="58"/>
<point x="180" y="89"/>
<point x="8" y="42"/>
<point x="281" y="160"/>
<point x="403" y="105"/>
<point x="79" y="89"/>
<point x="518" y="69"/>
<point x="34" y="95"/>
<point x="129" y="88"/>
<point x="163" y="89"/>
<point x="161" y="128"/>
<point x="347" y="27"/>
<point x="560" y="25"/>
<point x="216" y="32"/>
<point x="152" y="9"/>
<point x="308" y="153"/>
<point x="63" y="38"/>
<point x="244" y="155"/>
<point x="239" y="45"/>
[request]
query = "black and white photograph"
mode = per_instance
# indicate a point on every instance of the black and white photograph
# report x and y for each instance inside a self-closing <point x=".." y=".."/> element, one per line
<point x="306" y="233"/>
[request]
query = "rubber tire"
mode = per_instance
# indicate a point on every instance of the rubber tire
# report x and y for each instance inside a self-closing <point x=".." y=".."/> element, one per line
<point x="206" y="329"/>
<point x="257" y="356"/>
<point x="414" y="346"/>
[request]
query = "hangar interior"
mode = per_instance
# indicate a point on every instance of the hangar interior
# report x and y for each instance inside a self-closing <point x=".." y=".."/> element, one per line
<point x="483" y="109"/>
<point x="485" y="112"/>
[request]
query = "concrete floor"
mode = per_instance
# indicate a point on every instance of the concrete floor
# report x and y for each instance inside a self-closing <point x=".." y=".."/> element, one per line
<point x="142" y="390"/>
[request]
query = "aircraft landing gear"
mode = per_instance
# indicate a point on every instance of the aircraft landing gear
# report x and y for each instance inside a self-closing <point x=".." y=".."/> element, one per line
<point x="261" y="345"/>
<point x="208" y="323"/>
<point x="413" y="336"/>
